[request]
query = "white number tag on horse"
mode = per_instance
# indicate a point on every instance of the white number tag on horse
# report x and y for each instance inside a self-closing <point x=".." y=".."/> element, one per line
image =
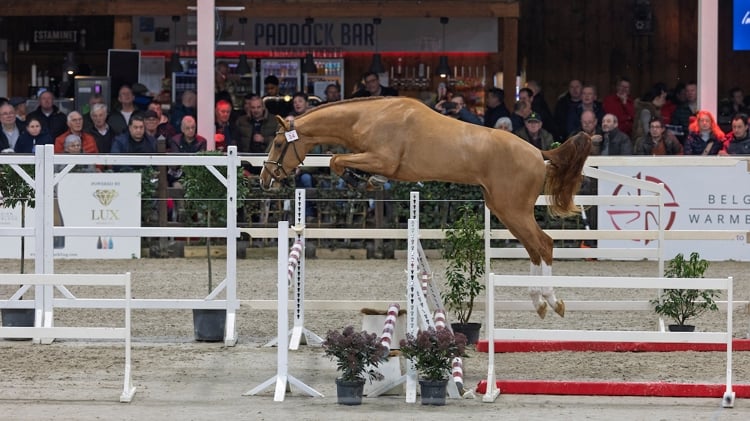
<point x="291" y="136"/>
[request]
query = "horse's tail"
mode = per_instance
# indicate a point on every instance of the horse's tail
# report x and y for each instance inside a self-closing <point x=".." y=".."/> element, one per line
<point x="564" y="174"/>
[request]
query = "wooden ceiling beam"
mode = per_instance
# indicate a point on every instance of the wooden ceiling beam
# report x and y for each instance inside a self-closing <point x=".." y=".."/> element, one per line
<point x="267" y="9"/>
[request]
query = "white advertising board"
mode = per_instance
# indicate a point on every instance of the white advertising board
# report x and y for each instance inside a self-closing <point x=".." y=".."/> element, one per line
<point x="699" y="198"/>
<point x="86" y="200"/>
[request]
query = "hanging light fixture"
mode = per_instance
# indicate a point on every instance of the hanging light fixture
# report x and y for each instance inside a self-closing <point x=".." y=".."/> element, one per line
<point x="176" y="66"/>
<point x="69" y="66"/>
<point x="377" y="60"/>
<point x="443" y="70"/>
<point x="242" y="67"/>
<point x="308" y="65"/>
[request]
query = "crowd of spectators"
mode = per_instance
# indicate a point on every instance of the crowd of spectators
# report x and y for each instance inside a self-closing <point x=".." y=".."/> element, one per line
<point x="660" y="122"/>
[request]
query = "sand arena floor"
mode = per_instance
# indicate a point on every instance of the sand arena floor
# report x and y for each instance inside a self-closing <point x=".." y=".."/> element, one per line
<point x="178" y="378"/>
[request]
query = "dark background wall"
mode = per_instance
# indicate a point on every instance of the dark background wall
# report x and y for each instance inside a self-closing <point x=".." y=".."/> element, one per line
<point x="597" y="40"/>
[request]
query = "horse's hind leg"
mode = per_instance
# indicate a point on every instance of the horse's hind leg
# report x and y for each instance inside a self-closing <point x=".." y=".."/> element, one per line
<point x="536" y="293"/>
<point x="549" y="292"/>
<point x="539" y="246"/>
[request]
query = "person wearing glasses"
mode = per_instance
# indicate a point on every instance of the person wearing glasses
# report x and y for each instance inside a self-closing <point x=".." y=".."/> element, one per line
<point x="373" y="87"/>
<point x="75" y="126"/>
<point x="11" y="127"/>
<point x="658" y="140"/>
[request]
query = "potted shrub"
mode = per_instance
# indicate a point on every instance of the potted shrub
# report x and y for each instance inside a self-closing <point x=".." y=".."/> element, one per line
<point x="463" y="248"/>
<point x="357" y="355"/>
<point x="15" y="191"/>
<point x="680" y="305"/>
<point x="207" y="203"/>
<point x="432" y="352"/>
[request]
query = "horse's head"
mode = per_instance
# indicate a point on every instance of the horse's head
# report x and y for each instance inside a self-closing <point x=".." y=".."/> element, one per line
<point x="283" y="157"/>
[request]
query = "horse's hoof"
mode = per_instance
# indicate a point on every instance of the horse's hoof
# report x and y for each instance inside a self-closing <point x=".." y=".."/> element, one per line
<point x="541" y="310"/>
<point x="560" y="308"/>
<point x="378" y="180"/>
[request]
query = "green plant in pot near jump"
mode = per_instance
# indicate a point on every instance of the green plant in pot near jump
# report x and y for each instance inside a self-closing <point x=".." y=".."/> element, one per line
<point x="208" y="205"/>
<point x="680" y="305"/>
<point x="463" y="248"/>
<point x="432" y="352"/>
<point x="357" y="356"/>
<point x="17" y="192"/>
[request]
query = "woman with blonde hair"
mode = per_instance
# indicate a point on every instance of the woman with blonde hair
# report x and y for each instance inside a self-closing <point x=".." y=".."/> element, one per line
<point x="705" y="137"/>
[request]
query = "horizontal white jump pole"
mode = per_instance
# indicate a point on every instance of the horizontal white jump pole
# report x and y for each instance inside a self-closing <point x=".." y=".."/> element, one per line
<point x="500" y="305"/>
<point x="144" y="303"/>
<point x="348" y="233"/>
<point x="65" y="332"/>
<point x="600" y="305"/>
<point x="28" y="304"/>
<point x="17" y="232"/>
<point x="610" y="336"/>
<point x="578" y="253"/>
<point x="610" y="282"/>
<point x="144" y="232"/>
<point x="665" y="161"/>
<point x="65" y="279"/>
<point x="143" y="159"/>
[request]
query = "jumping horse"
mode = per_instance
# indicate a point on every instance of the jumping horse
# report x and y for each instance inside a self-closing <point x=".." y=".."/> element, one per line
<point x="405" y="140"/>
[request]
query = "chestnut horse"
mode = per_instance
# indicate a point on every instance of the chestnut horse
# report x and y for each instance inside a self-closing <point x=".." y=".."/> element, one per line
<point x="405" y="140"/>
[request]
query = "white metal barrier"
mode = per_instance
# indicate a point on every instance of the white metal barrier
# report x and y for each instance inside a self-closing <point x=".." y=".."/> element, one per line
<point x="43" y="231"/>
<point x="58" y="280"/>
<point x="493" y="333"/>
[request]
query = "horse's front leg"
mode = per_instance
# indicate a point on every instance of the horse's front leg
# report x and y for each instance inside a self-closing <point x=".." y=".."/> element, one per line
<point x="364" y="162"/>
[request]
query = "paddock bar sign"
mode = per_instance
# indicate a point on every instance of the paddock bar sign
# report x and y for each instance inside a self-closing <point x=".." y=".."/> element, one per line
<point x="106" y="200"/>
<point x="692" y="203"/>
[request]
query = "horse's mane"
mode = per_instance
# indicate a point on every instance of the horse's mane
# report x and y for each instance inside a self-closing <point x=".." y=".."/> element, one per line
<point x="347" y="101"/>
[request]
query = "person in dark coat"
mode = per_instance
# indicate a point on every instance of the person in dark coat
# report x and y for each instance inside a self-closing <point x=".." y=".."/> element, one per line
<point x="32" y="136"/>
<point x="373" y="87"/>
<point x="54" y="122"/>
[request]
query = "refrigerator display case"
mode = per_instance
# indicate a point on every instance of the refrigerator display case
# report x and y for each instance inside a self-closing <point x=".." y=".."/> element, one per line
<point x="187" y="80"/>
<point x="288" y="70"/>
<point x="330" y="70"/>
<point x="243" y="84"/>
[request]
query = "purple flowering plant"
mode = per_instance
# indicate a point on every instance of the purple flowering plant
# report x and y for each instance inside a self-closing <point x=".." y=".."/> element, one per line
<point x="357" y="354"/>
<point x="432" y="351"/>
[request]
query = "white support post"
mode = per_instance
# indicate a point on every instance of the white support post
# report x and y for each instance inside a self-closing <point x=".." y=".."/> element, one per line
<point x="282" y="379"/>
<point x="230" y="331"/>
<point x="300" y="335"/>
<point x="413" y="288"/>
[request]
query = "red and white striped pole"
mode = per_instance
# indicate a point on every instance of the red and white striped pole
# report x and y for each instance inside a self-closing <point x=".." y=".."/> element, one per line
<point x="439" y="319"/>
<point x="294" y="256"/>
<point x="389" y="326"/>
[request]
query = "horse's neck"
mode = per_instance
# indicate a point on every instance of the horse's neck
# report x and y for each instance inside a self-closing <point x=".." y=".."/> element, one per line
<point x="328" y="128"/>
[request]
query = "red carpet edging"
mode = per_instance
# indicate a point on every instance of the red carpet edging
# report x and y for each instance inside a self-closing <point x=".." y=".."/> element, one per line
<point x="556" y="346"/>
<point x="655" y="389"/>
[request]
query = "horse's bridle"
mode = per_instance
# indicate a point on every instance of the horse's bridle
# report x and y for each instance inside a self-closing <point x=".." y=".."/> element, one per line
<point x="279" y="174"/>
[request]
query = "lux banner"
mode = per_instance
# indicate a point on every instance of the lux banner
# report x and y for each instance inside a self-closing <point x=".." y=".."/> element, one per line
<point x="86" y="200"/>
<point x="698" y="198"/>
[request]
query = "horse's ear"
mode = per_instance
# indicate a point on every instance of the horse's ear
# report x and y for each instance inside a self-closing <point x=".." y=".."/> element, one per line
<point x="283" y="123"/>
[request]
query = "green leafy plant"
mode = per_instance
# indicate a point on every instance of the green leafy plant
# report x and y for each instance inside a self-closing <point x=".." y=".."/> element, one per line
<point x="357" y="354"/>
<point x="16" y="191"/>
<point x="433" y="351"/>
<point x="463" y="248"/>
<point x="683" y="304"/>
<point x="208" y="198"/>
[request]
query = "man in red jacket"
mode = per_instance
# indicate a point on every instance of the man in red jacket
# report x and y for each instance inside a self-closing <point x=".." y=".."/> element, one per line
<point x="621" y="105"/>
<point x="75" y="126"/>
